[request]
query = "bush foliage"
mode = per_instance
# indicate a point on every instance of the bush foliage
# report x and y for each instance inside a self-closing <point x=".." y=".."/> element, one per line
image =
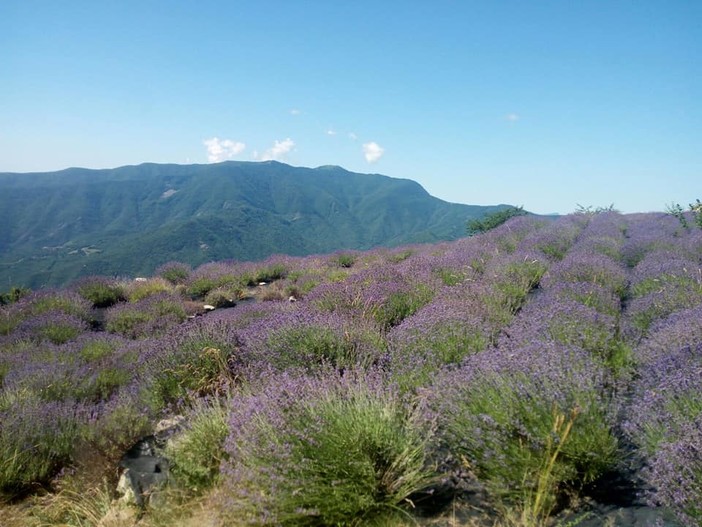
<point x="492" y="220"/>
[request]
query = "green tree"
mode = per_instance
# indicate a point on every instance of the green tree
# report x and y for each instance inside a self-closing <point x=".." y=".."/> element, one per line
<point x="13" y="295"/>
<point x="495" y="219"/>
<point x="694" y="208"/>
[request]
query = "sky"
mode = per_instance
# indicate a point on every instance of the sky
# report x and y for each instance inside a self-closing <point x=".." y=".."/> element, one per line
<point x="549" y="105"/>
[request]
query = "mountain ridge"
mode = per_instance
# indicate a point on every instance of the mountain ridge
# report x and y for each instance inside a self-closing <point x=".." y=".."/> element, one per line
<point x="65" y="224"/>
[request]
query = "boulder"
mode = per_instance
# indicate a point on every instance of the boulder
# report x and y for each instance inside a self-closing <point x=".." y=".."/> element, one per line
<point x="143" y="472"/>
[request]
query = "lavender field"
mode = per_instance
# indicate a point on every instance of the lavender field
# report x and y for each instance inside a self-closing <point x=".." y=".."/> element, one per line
<point x="547" y="372"/>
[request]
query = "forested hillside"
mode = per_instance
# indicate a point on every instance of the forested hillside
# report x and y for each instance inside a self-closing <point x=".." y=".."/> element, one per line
<point x="126" y="221"/>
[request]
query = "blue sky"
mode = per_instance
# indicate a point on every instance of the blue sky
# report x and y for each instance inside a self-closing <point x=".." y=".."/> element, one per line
<point x="545" y="104"/>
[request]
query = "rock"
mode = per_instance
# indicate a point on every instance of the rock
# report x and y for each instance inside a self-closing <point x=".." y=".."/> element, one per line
<point x="167" y="427"/>
<point x="125" y="490"/>
<point x="144" y="472"/>
<point x="292" y="299"/>
<point x="140" y="279"/>
<point x="208" y="307"/>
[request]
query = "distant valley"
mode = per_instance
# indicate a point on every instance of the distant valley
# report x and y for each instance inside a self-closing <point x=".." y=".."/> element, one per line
<point x="58" y="226"/>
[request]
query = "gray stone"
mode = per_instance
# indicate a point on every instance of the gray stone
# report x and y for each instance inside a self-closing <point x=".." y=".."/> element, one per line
<point x="144" y="472"/>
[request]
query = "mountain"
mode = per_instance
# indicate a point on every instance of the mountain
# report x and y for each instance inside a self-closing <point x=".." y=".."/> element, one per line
<point x="57" y="226"/>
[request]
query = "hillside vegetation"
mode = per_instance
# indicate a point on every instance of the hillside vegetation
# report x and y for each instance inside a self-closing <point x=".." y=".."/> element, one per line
<point x="543" y="373"/>
<point x="127" y="221"/>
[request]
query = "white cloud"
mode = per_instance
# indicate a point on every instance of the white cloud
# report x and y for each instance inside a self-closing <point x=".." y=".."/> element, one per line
<point x="352" y="136"/>
<point x="277" y="151"/>
<point x="512" y="117"/>
<point x="221" y="150"/>
<point x="331" y="132"/>
<point x="295" y="111"/>
<point x="372" y="151"/>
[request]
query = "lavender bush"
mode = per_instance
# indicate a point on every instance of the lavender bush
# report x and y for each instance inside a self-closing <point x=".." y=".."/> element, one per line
<point x="648" y="232"/>
<point x="149" y="317"/>
<point x="114" y="426"/>
<point x="386" y="297"/>
<point x="176" y="273"/>
<point x="588" y="294"/>
<point x="211" y="276"/>
<point x="571" y="324"/>
<point x="100" y="291"/>
<point x="664" y="421"/>
<point x="37" y="438"/>
<point x="302" y="337"/>
<point x="137" y="290"/>
<point x="663" y="283"/>
<point x="514" y="278"/>
<point x="510" y="234"/>
<point x="53" y="326"/>
<point x="676" y="474"/>
<point x="66" y="301"/>
<point x="596" y="269"/>
<point x="199" y="359"/>
<point x="496" y="417"/>
<point x="682" y="329"/>
<point x="667" y="397"/>
<point x="441" y="333"/>
<point x="555" y="239"/>
<point x="196" y="454"/>
<point x="38" y="303"/>
<point x="312" y="451"/>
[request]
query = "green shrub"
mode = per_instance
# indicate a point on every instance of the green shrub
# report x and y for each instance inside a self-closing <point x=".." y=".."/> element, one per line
<point x="100" y="291"/>
<point x="401" y="304"/>
<point x="175" y="272"/>
<point x="95" y="350"/>
<point x="450" y="276"/>
<point x="197" y="453"/>
<point x="272" y="272"/>
<point x="127" y="321"/>
<point x="506" y="436"/>
<point x="103" y="385"/>
<point x="193" y="369"/>
<point x="515" y="280"/>
<point x="147" y="318"/>
<point x="60" y="333"/>
<point x="492" y="220"/>
<point x="323" y="453"/>
<point x="139" y="290"/>
<point x="400" y="256"/>
<point x="224" y="296"/>
<point x="344" y="260"/>
<point x="14" y="295"/>
<point x="695" y="211"/>
<point x="313" y="345"/>
<point x="33" y="449"/>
